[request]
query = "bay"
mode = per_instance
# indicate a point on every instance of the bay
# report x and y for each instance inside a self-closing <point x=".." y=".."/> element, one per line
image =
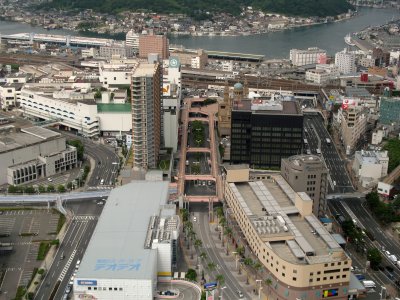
<point x="328" y="36"/>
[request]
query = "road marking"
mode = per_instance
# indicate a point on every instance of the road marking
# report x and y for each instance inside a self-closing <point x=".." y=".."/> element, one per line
<point x="66" y="267"/>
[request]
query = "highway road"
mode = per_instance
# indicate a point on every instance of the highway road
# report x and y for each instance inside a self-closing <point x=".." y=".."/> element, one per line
<point x="105" y="157"/>
<point x="316" y="135"/>
<point x="353" y="208"/>
<point x="72" y="248"/>
<point x="203" y="231"/>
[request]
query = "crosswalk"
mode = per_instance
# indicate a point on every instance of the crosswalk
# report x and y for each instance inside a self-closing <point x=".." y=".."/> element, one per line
<point x="13" y="269"/>
<point x="100" y="187"/>
<point x="85" y="218"/>
<point x="66" y="267"/>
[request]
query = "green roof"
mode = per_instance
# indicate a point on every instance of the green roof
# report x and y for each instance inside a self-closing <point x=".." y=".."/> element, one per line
<point x="113" y="108"/>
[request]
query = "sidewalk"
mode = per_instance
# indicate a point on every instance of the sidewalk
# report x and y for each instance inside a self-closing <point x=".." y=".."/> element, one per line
<point x="229" y="261"/>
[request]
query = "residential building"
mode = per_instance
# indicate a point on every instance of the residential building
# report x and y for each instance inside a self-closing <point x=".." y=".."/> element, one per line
<point x="116" y="50"/>
<point x="264" y="130"/>
<point x="353" y="123"/>
<point x="370" y="166"/>
<point x="196" y="59"/>
<point x="146" y="89"/>
<point x="377" y="136"/>
<point x="32" y="153"/>
<point x="89" y="52"/>
<point x="132" y="40"/>
<point x="153" y="43"/>
<point x="117" y="74"/>
<point x="301" y="258"/>
<point x="346" y="62"/>
<point x="317" y="76"/>
<point x="308" y="173"/>
<point x="10" y="95"/>
<point x="147" y="246"/>
<point x="305" y="57"/>
<point x="171" y="102"/>
<point x="389" y="112"/>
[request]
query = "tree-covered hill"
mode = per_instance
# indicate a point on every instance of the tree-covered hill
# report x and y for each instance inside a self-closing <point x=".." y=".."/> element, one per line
<point x="193" y="7"/>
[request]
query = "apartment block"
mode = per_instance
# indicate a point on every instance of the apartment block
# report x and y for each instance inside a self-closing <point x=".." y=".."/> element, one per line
<point x="153" y="44"/>
<point x="146" y="91"/>
<point x="309" y="56"/>
<point x="353" y="126"/>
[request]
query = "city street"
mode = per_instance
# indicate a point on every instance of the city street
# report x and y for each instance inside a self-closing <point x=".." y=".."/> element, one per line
<point x="316" y="135"/>
<point x="72" y="248"/>
<point x="353" y="209"/>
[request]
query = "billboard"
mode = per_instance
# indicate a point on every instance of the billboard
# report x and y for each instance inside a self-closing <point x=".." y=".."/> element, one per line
<point x="330" y="293"/>
<point x="210" y="285"/>
<point x="347" y="102"/>
<point x="87" y="282"/>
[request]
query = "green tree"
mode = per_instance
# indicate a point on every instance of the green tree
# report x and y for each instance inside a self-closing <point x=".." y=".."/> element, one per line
<point x="191" y="275"/>
<point x="198" y="243"/>
<point x="184" y="214"/>
<point x="29" y="190"/>
<point x="375" y="257"/>
<point x="203" y="255"/>
<point x="50" y="188"/>
<point x="240" y="250"/>
<point x="220" y="279"/>
<point x="80" y="148"/>
<point x="12" y="189"/>
<point x="268" y="283"/>
<point x="211" y="266"/>
<point x="97" y="95"/>
<point x="42" y="189"/>
<point x="69" y="185"/>
<point x="61" y="188"/>
<point x="373" y="200"/>
<point x="248" y="262"/>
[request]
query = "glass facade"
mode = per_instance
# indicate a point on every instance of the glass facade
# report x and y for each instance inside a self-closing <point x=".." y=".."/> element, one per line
<point x="262" y="140"/>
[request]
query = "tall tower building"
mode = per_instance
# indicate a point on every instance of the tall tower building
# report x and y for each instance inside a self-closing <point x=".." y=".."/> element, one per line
<point x="146" y="115"/>
<point x="308" y="173"/>
<point x="153" y="43"/>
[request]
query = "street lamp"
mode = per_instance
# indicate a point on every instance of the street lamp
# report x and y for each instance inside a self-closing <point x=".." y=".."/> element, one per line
<point x="260" y="288"/>
<point x="222" y="292"/>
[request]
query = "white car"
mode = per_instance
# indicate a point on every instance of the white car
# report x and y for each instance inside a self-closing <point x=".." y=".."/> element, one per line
<point x="49" y="179"/>
<point x="194" y="219"/>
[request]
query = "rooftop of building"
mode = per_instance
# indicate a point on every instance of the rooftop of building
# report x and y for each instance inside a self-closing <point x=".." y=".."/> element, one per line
<point x="114" y="108"/>
<point x="12" y="138"/>
<point x="357" y="92"/>
<point x="304" y="161"/>
<point x="145" y="69"/>
<point x="266" y="105"/>
<point x="371" y="157"/>
<point x="271" y="207"/>
<point x="117" y="249"/>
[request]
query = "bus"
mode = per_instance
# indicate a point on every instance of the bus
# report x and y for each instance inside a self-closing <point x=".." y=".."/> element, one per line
<point x="328" y="141"/>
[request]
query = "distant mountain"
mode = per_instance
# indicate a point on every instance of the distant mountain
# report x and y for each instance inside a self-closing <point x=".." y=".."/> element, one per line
<point x="199" y="8"/>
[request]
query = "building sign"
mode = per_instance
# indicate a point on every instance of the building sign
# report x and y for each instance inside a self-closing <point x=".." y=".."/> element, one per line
<point x="329" y="293"/>
<point x="174" y="62"/>
<point x="87" y="282"/>
<point x="348" y="102"/>
<point x="118" y="265"/>
<point x="210" y="285"/>
<point x="86" y="297"/>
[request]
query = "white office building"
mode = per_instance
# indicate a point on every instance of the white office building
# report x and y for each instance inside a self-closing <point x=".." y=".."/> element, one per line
<point x="124" y="258"/>
<point x="132" y="40"/>
<point x="370" y="166"/>
<point x="346" y="62"/>
<point x="305" y="57"/>
<point x="117" y="73"/>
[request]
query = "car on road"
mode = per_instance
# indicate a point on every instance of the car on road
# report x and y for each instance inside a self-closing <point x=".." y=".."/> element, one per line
<point x="240" y="294"/>
<point x="194" y="219"/>
<point x="49" y="179"/>
<point x="100" y="202"/>
<point x="68" y="289"/>
<point x="65" y="297"/>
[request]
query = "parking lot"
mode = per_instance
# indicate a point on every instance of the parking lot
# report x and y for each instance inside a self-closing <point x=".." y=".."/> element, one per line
<point x="23" y="229"/>
<point x="200" y="187"/>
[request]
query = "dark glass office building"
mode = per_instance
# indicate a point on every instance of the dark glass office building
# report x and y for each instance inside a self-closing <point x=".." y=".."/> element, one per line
<point x="264" y="131"/>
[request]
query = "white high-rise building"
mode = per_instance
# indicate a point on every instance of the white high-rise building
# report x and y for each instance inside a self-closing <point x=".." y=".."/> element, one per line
<point x="310" y="56"/>
<point x="346" y="62"/>
<point x="132" y="39"/>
